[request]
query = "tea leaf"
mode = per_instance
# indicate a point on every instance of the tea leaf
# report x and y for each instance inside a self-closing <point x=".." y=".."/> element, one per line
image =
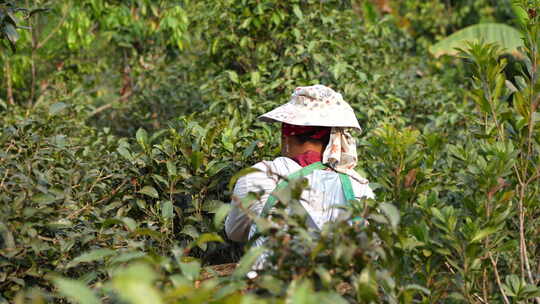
<point x="167" y="211"/>
<point x="43" y="199"/>
<point x="220" y="215"/>
<point x="124" y="152"/>
<point x="171" y="169"/>
<point x="366" y="286"/>
<point x="91" y="256"/>
<point x="191" y="231"/>
<point x="207" y="238"/>
<point x="391" y="212"/>
<point x="483" y="233"/>
<point x="57" y="108"/>
<point x="142" y="138"/>
<point x="150" y="191"/>
<point x="244" y="266"/>
<point x="191" y="270"/>
<point x="298" y="12"/>
<point x="134" y="284"/>
<point x="196" y="160"/>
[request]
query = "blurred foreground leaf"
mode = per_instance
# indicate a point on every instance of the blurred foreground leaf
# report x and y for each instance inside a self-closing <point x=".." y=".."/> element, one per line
<point x="75" y="291"/>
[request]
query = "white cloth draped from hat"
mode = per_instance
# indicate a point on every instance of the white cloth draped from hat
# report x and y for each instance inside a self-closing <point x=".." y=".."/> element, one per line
<point x="340" y="153"/>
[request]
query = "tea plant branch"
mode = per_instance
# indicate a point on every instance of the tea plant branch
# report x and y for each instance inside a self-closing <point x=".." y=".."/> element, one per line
<point x="490" y="98"/>
<point x="32" y="62"/>
<point x="449" y="267"/>
<point x="524" y="258"/>
<point x="96" y="181"/>
<point x="535" y="176"/>
<point x="113" y="193"/>
<point x="537" y="271"/>
<point x="489" y="80"/>
<point x="35" y="46"/>
<point x="109" y="105"/>
<point x="74" y="214"/>
<point x="480" y="299"/>
<point x="54" y="30"/>
<point x="533" y="104"/>
<point x="9" y="83"/>
<point x="484" y="284"/>
<point x="498" y="278"/>
<point x="520" y="174"/>
<point x="125" y="95"/>
<point x="4" y="179"/>
<point x="47" y="239"/>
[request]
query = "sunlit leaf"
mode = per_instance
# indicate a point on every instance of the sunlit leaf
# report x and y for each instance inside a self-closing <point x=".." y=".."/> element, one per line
<point x="135" y="284"/>
<point x="220" y="215"/>
<point x="126" y="257"/>
<point x="244" y="266"/>
<point x="91" y="256"/>
<point x="171" y="168"/>
<point x="191" y="231"/>
<point x="196" y="160"/>
<point x="124" y="152"/>
<point x="298" y="12"/>
<point x="57" y="108"/>
<point x="167" y="211"/>
<point x="191" y="270"/>
<point x="43" y="199"/>
<point x="366" y="286"/>
<point x="504" y="35"/>
<point x="233" y="76"/>
<point x="11" y="33"/>
<point x="142" y="138"/>
<point x="391" y="212"/>
<point x="150" y="191"/>
<point x="207" y="238"/>
<point x="483" y="233"/>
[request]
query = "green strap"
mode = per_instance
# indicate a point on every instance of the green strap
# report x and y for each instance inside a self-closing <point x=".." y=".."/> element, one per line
<point x="349" y="194"/>
<point x="347" y="187"/>
<point x="298" y="174"/>
<point x="344" y="178"/>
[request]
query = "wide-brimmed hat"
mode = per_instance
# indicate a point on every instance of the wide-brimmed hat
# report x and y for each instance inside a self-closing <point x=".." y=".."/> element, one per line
<point x="316" y="105"/>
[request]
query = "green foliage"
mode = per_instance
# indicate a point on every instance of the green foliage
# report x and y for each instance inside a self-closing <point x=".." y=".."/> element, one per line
<point x="423" y="18"/>
<point x="505" y="36"/>
<point x="9" y="23"/>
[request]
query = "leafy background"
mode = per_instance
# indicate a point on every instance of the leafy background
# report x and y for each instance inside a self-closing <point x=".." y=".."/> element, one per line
<point x="123" y="123"/>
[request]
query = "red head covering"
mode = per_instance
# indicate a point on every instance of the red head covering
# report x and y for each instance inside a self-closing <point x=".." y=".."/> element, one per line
<point x="317" y="132"/>
<point x="308" y="157"/>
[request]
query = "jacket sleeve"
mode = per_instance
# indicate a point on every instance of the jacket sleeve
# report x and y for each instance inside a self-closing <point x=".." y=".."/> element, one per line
<point x="362" y="190"/>
<point x="238" y="223"/>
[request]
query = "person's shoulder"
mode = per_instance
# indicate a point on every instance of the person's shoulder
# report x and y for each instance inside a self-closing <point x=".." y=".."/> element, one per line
<point x="280" y="165"/>
<point x="265" y="176"/>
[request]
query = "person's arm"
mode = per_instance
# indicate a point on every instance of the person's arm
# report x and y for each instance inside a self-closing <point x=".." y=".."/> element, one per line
<point x="238" y="223"/>
<point x="362" y="190"/>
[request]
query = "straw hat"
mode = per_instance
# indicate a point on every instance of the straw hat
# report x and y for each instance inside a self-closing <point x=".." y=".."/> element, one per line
<point x="316" y="105"/>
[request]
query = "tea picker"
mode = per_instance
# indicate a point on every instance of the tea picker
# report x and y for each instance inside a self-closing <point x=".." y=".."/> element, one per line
<point x="316" y="143"/>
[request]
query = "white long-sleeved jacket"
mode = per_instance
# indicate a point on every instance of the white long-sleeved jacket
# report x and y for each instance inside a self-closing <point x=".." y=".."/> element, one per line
<point x="324" y="193"/>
